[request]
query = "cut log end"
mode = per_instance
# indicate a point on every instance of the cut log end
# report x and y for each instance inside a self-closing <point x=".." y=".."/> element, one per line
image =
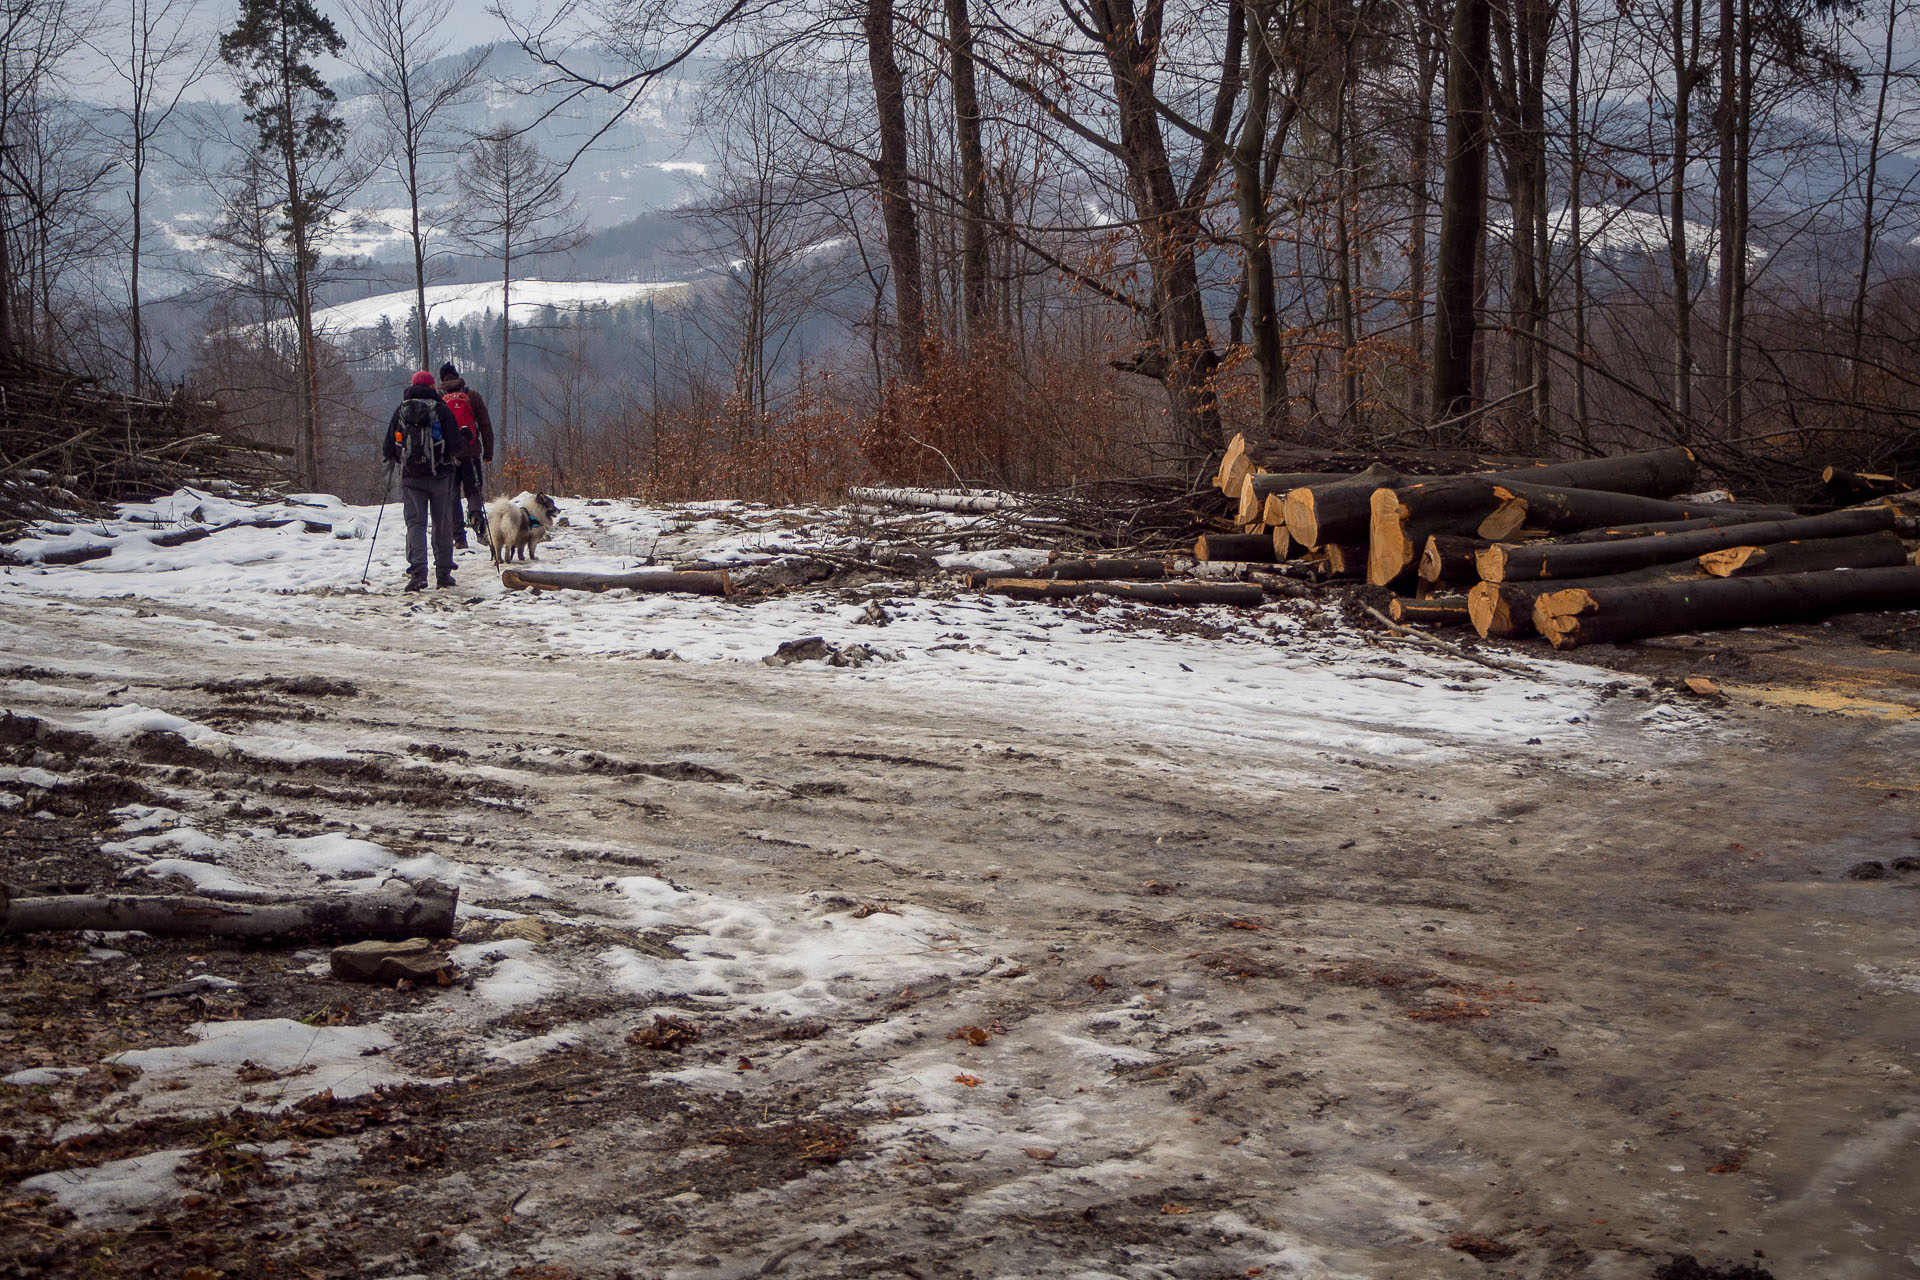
<point x="1557" y="614"/>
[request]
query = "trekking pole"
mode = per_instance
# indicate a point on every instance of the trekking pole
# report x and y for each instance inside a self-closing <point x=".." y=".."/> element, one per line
<point x="384" y="499"/>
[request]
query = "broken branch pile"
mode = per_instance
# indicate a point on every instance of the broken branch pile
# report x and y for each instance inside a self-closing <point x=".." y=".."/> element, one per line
<point x="68" y="444"/>
<point x="1595" y="549"/>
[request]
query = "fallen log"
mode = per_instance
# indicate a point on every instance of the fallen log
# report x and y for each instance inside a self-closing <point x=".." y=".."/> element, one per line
<point x="1434" y="611"/>
<point x="1345" y="559"/>
<point x="1230" y="460"/>
<point x="930" y="499"/>
<point x="1859" y="486"/>
<point x="1259" y="548"/>
<point x="1504" y="610"/>
<point x="1724" y="516"/>
<point x="1258" y="486"/>
<point x="1863" y="551"/>
<point x="1563" y="508"/>
<point x="1078" y="571"/>
<point x="1343" y="510"/>
<point x="420" y="910"/>
<point x="1233" y="593"/>
<point x="76" y="555"/>
<point x="1448" y="559"/>
<point x="1569" y="618"/>
<point x="1505" y="562"/>
<point x="643" y="580"/>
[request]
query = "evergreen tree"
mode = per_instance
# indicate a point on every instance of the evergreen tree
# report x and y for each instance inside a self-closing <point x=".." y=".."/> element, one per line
<point x="271" y="49"/>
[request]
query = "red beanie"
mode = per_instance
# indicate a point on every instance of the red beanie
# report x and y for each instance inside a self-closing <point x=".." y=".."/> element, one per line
<point x="423" y="379"/>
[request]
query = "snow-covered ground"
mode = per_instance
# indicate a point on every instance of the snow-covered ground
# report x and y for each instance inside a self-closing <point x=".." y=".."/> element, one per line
<point x="1112" y="930"/>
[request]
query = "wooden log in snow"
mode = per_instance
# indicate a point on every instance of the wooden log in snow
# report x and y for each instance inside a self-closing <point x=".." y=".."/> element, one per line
<point x="1434" y="611"/>
<point x="930" y="499"/>
<point x="423" y="910"/>
<point x="1257" y="548"/>
<point x="1862" y="551"/>
<point x="1078" y="571"/>
<point x="1233" y="593"/>
<point x="1573" y="617"/>
<point x="1507" y="563"/>
<point x="649" y="581"/>
<point x="1318" y="514"/>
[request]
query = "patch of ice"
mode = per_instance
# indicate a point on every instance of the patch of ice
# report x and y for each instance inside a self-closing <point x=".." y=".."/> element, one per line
<point x="42" y="1075"/>
<point x="199" y="1077"/>
<point x="114" y="1193"/>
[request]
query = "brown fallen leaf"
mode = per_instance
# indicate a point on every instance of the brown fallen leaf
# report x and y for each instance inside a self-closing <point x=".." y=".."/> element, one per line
<point x="1041" y="1153"/>
<point x="1248" y="925"/>
<point x="556" y="1144"/>
<point x="972" y="1035"/>
<point x="201" y="1273"/>
<point x="1171" y="1207"/>
<point x="1702" y="686"/>
<point x="1099" y="982"/>
<point x="972" y="1082"/>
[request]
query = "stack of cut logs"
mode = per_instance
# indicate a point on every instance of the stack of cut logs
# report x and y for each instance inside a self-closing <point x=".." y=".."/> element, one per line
<point x="1577" y="552"/>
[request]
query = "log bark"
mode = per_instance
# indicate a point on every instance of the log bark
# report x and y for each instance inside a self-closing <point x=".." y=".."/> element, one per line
<point x="930" y="499"/>
<point x="1506" y="563"/>
<point x="1863" y="551"/>
<point x="643" y="580"/>
<point x="1258" y="548"/>
<point x="1434" y="611"/>
<point x="1859" y="486"/>
<point x="1572" y="617"/>
<point x="1079" y="571"/>
<point x="1724" y="516"/>
<point x="1233" y="593"/>
<point x="1345" y="559"/>
<point x="423" y="910"/>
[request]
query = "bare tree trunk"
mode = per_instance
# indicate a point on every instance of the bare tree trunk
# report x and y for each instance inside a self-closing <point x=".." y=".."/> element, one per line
<point x="1461" y="218"/>
<point x="1686" y="74"/>
<point x="896" y="197"/>
<point x="1869" y="232"/>
<point x="976" y="308"/>
<point x="1576" y="160"/>
<point x="1420" y="148"/>
<point x="1256" y="225"/>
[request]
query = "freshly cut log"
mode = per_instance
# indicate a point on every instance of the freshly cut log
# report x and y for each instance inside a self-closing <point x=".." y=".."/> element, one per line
<point x="1081" y="570"/>
<point x="930" y="499"/>
<point x="1504" y="562"/>
<point x="1256" y="547"/>
<point x="1435" y="611"/>
<point x="1322" y="513"/>
<point x="1345" y="559"/>
<point x="1573" y="617"/>
<point x="1863" y="551"/>
<point x="423" y="910"/>
<point x="76" y="555"/>
<point x="644" y="580"/>
<point x="1565" y="509"/>
<point x="1504" y="610"/>
<point x="1333" y="513"/>
<point x="1725" y="516"/>
<point x="1448" y="559"/>
<point x="1258" y="486"/>
<point x="1235" y="475"/>
<point x="1235" y="451"/>
<point x="1235" y="593"/>
<point x="1858" y="486"/>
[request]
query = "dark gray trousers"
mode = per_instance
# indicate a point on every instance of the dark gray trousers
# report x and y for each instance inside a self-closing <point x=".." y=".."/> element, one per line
<point x="472" y="481"/>
<point x="424" y="497"/>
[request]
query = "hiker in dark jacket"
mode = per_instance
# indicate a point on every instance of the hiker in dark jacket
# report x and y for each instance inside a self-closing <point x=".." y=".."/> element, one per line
<point x="472" y="476"/>
<point x="423" y="441"/>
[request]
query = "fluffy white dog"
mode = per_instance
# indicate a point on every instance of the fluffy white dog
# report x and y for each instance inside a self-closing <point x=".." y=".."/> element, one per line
<point x="517" y="525"/>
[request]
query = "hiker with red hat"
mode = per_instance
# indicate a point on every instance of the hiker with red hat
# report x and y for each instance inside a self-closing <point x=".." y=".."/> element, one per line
<point x="476" y="438"/>
<point x="423" y="442"/>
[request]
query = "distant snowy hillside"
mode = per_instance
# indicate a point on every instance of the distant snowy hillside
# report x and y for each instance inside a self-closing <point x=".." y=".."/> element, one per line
<point x="458" y="303"/>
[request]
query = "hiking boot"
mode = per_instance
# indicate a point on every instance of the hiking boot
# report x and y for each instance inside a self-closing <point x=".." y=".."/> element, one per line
<point x="444" y="580"/>
<point x="460" y="543"/>
<point x="416" y="583"/>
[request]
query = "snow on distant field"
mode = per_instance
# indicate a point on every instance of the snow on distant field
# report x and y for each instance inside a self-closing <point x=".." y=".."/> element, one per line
<point x="1610" y="229"/>
<point x="459" y="303"/>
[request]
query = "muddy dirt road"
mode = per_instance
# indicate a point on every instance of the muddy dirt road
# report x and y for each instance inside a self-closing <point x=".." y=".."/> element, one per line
<point x="989" y="986"/>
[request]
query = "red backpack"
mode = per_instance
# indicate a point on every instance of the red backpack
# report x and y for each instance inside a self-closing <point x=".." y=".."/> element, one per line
<point x="462" y="405"/>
